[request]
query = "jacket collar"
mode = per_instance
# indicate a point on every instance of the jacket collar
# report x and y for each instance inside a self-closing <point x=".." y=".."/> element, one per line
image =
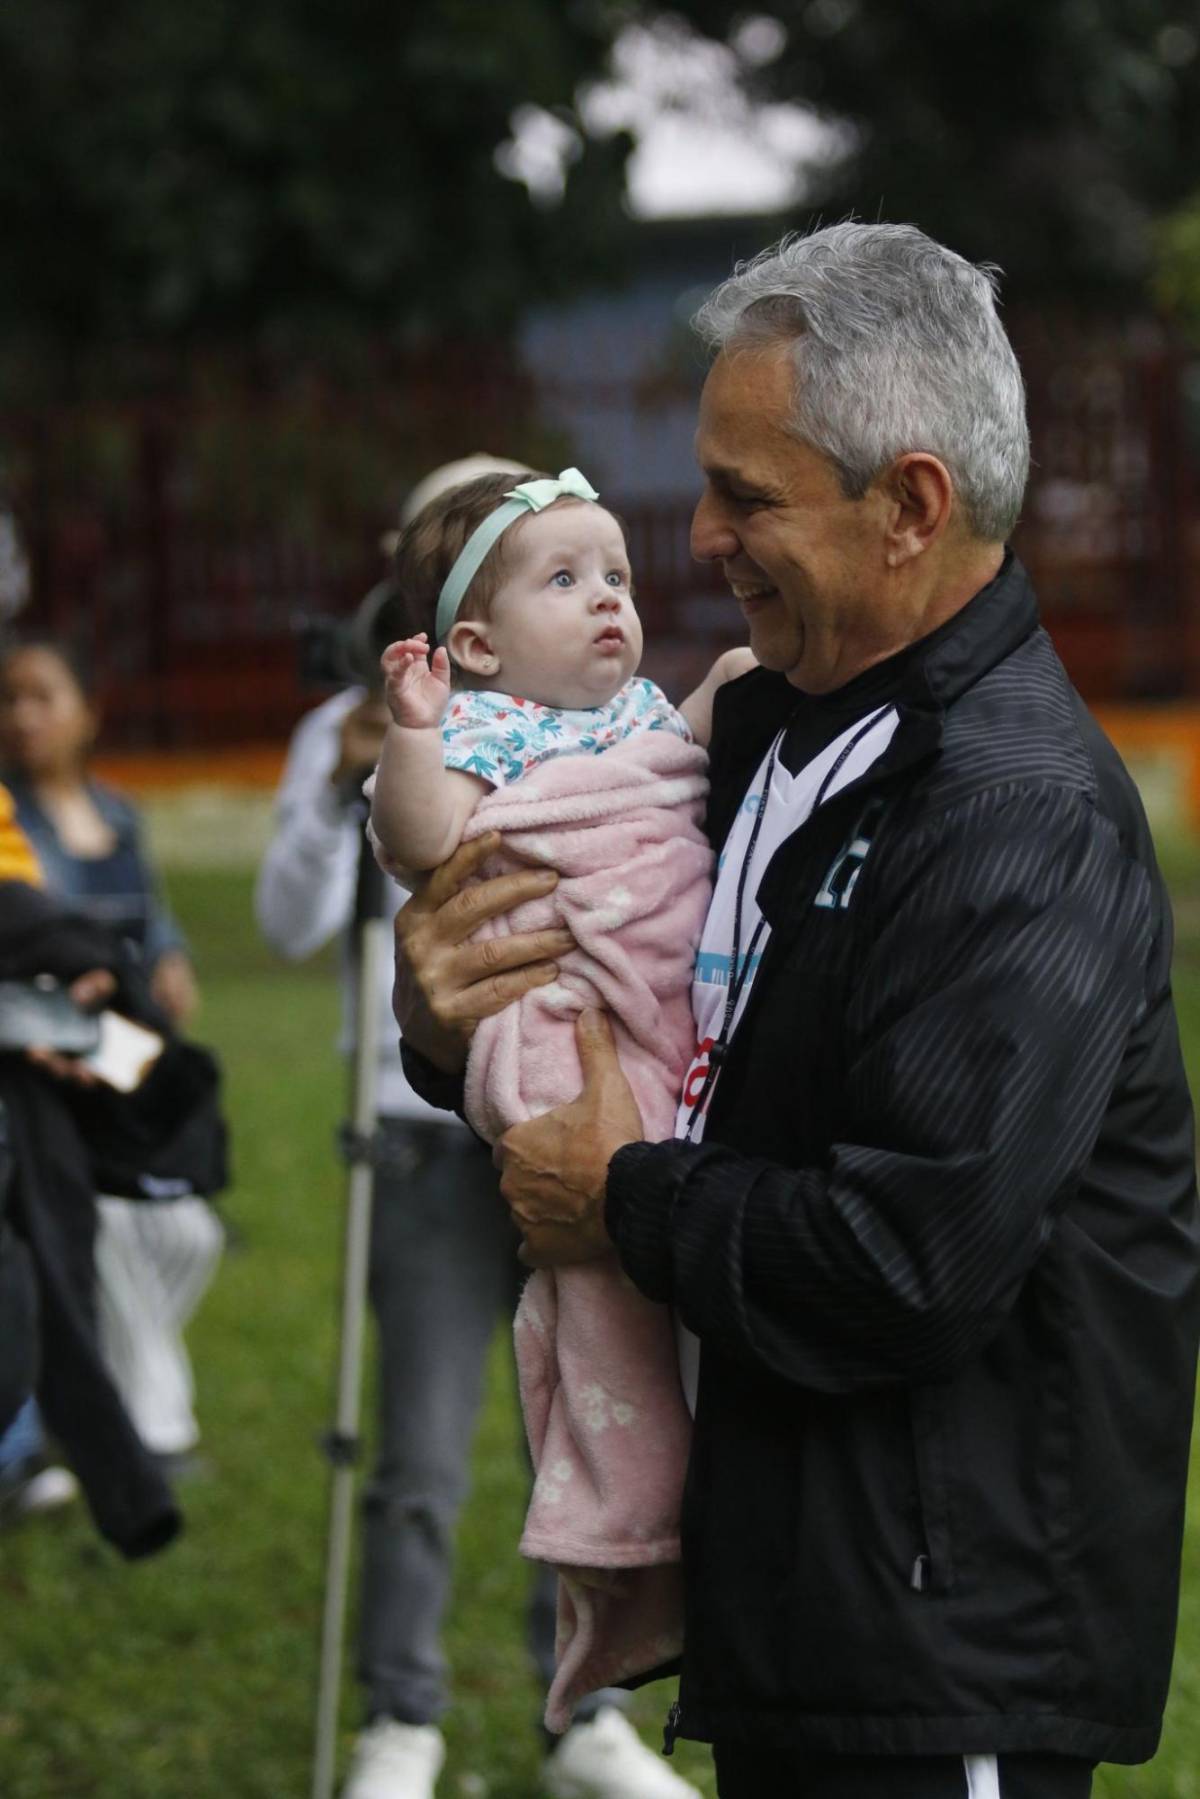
<point x="951" y="660"/>
<point x="988" y="628"/>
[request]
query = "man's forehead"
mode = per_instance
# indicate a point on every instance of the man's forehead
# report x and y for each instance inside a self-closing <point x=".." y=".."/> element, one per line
<point x="710" y="460"/>
<point x="744" y="410"/>
<point x="744" y="448"/>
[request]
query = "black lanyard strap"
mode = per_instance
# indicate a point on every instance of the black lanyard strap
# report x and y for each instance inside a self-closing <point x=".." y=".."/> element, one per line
<point x="864" y="730"/>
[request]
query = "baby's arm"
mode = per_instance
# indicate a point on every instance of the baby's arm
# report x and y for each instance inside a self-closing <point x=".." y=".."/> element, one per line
<point x="698" y="707"/>
<point x="420" y="807"/>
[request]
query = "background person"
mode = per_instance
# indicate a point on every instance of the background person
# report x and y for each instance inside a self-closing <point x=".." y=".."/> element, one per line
<point x="69" y="1135"/>
<point x="28" y="1481"/>
<point x="443" y="1272"/>
<point x="154" y="1257"/>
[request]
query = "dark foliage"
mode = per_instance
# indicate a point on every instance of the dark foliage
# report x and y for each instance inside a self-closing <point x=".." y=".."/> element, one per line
<point x="1045" y="135"/>
<point x="184" y="173"/>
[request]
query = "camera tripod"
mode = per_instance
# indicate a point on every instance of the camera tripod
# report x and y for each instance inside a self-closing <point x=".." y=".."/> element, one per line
<point x="371" y="935"/>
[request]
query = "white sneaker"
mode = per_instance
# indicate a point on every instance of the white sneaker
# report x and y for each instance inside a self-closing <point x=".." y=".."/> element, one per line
<point x="395" y="1761"/>
<point x="46" y="1490"/>
<point x="30" y="1486"/>
<point x="607" y="1759"/>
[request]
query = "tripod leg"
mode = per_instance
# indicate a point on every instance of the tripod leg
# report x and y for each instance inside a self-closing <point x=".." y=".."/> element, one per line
<point x="343" y="1441"/>
<point x="341" y="1523"/>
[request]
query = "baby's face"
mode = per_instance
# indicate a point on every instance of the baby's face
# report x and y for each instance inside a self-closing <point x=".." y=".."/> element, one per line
<point x="563" y="624"/>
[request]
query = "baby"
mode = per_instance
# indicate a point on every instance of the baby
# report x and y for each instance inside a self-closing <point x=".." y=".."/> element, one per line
<point x="532" y="597"/>
<point x="530" y="718"/>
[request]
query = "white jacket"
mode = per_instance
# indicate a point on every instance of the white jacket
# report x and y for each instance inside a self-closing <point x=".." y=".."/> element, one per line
<point x="306" y="886"/>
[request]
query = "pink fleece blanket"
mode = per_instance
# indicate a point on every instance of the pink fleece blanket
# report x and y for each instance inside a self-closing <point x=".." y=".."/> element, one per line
<point x="597" y="1363"/>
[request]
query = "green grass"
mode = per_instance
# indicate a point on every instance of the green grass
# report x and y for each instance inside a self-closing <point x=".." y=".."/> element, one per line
<point x="192" y="1676"/>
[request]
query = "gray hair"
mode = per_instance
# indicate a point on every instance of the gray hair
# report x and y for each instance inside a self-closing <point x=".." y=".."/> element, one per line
<point x="897" y="347"/>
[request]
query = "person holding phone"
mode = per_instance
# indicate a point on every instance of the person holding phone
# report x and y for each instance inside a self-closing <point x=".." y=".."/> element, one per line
<point x="154" y="1257"/>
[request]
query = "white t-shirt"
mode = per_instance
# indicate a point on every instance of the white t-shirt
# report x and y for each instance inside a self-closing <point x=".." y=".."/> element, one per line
<point x="788" y="805"/>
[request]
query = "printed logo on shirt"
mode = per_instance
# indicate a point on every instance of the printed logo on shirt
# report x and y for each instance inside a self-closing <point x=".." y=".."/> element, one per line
<point x="837" y="889"/>
<point x="712" y="969"/>
<point x="697" y="1074"/>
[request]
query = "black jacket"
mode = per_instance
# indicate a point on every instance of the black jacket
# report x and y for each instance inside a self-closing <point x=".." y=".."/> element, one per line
<point x="61" y="1145"/>
<point x="18" y="1301"/>
<point x="940" y="1242"/>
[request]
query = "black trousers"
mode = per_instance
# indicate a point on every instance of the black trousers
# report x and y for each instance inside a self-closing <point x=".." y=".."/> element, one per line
<point x="744" y="1772"/>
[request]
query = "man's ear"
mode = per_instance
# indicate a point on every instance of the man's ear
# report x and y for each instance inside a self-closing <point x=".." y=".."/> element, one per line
<point x="920" y="491"/>
<point x="470" y="646"/>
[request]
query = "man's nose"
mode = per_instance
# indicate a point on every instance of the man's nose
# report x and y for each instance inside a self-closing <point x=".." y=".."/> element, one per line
<point x="713" y="538"/>
<point x="606" y="599"/>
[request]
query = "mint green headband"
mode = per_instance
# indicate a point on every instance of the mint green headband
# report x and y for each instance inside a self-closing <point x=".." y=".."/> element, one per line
<point x="531" y="496"/>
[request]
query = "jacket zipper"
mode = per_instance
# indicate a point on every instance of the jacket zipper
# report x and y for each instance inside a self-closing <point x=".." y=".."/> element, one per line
<point x="933" y="1565"/>
<point x="671" y="1728"/>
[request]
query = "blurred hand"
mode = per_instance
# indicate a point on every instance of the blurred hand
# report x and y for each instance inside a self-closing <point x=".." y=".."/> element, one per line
<point x="173" y="985"/>
<point x="93" y="989"/>
<point x="360" y="741"/>
<point x="90" y="991"/>
<point x="445" y="983"/>
<point x="554" y="1169"/>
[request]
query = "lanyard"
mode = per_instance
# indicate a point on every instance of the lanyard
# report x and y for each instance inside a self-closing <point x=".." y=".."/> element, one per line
<point x="739" y="966"/>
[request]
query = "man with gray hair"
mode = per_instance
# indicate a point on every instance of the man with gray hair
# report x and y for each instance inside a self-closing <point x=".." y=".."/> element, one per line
<point x="929" y="1218"/>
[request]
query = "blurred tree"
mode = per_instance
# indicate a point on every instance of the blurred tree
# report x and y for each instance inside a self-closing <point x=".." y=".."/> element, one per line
<point x="179" y="174"/>
<point x="1177" y="276"/>
<point x="1046" y="135"/>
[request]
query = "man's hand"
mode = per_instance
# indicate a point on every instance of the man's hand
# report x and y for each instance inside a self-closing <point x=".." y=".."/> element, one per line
<point x="360" y="741"/>
<point x="445" y="983"/>
<point x="554" y="1169"/>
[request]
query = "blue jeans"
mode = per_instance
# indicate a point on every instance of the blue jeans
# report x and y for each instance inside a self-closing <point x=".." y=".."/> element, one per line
<point x="444" y="1272"/>
<point x="23" y="1438"/>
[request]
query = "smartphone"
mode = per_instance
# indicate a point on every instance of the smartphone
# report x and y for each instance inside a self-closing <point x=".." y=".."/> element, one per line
<point x="41" y="1014"/>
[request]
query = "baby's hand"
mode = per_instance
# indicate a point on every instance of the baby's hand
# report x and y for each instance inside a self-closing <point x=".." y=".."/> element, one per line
<point x="416" y="689"/>
<point x="732" y="664"/>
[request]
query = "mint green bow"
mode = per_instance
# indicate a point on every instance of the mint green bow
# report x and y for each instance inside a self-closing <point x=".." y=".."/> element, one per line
<point x="539" y="494"/>
<point x="530" y="496"/>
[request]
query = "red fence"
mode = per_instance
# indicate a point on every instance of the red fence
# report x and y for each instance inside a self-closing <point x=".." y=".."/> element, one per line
<point x="183" y="591"/>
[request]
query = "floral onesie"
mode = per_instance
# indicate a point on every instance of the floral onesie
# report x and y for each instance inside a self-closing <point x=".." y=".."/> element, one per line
<point x="500" y="738"/>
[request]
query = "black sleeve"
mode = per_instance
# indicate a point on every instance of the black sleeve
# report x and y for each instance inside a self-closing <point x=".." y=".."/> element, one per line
<point x="41" y="934"/>
<point x="1006" y="961"/>
<point x="445" y="1091"/>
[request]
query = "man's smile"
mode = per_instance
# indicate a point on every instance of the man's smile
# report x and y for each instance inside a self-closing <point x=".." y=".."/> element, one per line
<point x="748" y="593"/>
